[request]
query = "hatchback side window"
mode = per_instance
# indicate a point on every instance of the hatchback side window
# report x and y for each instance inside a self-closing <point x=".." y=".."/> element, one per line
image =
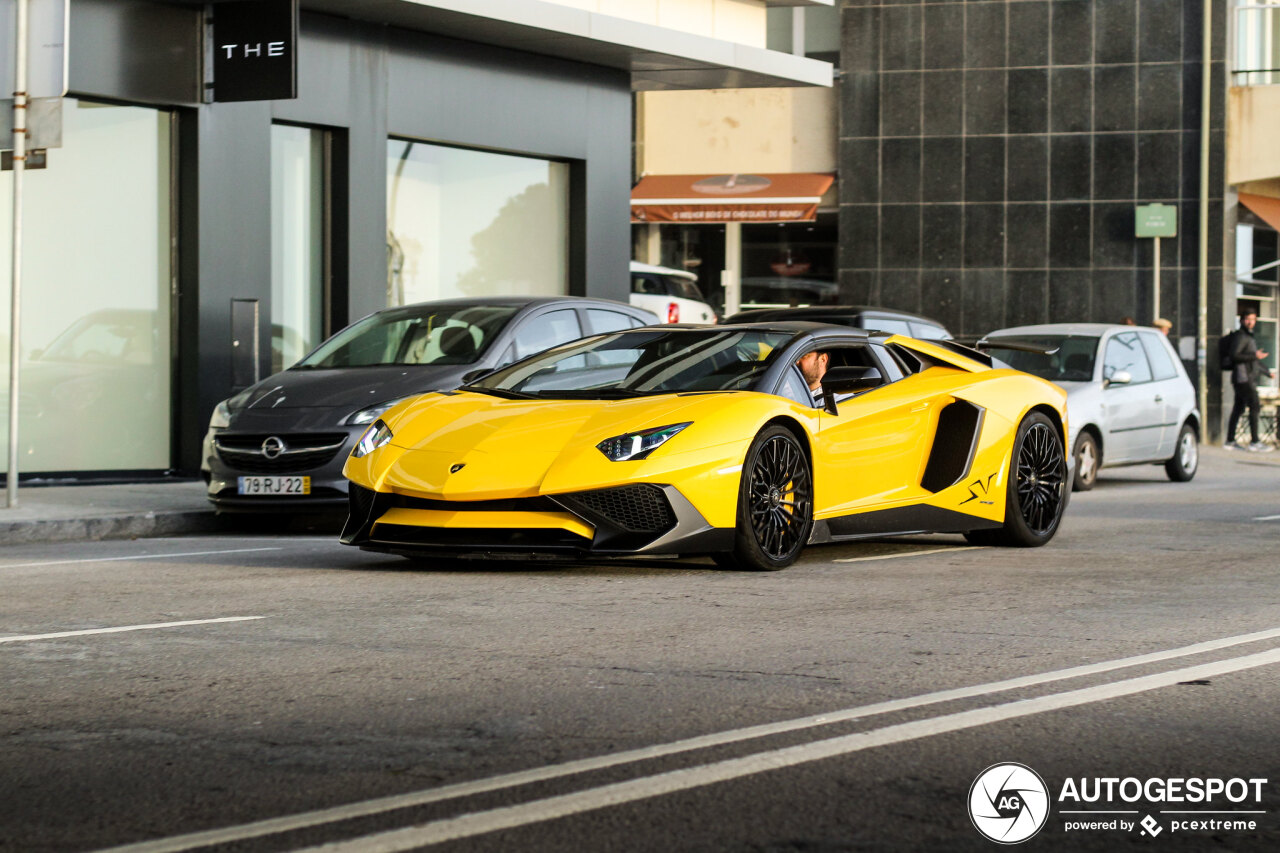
<point x="600" y="321"/>
<point x="546" y="331"/>
<point x="1161" y="361"/>
<point x="1125" y="353"/>
<point x="892" y="325"/>
<point x="645" y="284"/>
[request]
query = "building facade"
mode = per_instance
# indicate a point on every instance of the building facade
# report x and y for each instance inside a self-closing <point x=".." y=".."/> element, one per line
<point x="992" y="155"/>
<point x="178" y="248"/>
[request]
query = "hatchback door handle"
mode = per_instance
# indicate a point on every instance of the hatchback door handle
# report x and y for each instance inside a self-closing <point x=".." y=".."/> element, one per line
<point x="1159" y="399"/>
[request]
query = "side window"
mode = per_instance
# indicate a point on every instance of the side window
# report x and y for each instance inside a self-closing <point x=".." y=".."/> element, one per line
<point x="600" y="321"/>
<point x="1161" y="361"/>
<point x="794" y="388"/>
<point x="892" y="325"/>
<point x="928" y="331"/>
<point x="645" y="284"/>
<point x="888" y="365"/>
<point x="1124" y="352"/>
<point x="547" y="330"/>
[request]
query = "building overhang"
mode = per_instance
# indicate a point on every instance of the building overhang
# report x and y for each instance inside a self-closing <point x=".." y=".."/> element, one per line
<point x="657" y="58"/>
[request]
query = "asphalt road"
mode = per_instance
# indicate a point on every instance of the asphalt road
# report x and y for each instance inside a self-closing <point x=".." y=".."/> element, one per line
<point x="848" y="703"/>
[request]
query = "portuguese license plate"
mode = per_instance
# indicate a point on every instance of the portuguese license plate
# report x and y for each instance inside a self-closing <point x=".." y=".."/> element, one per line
<point x="275" y="486"/>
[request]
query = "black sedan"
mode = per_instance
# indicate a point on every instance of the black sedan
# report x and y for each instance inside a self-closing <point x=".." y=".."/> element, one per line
<point x="280" y="444"/>
<point x="858" y="316"/>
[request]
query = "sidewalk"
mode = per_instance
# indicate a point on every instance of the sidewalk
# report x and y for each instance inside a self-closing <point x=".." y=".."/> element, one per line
<point x="88" y="513"/>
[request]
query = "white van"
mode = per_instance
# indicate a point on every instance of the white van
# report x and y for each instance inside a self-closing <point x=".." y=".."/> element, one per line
<point x="671" y="294"/>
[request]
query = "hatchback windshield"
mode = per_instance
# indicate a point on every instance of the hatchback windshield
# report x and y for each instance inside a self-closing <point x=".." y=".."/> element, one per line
<point x="454" y="334"/>
<point x="1073" y="362"/>
<point x="641" y="362"/>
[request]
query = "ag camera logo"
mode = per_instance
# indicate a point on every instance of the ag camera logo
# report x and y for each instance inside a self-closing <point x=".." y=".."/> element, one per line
<point x="1008" y="803"/>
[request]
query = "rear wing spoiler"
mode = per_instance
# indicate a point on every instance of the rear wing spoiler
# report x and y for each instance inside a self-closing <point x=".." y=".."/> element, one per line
<point x="984" y="344"/>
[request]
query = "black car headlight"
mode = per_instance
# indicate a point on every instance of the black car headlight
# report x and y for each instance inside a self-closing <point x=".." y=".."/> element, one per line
<point x="638" y="445"/>
<point x="371" y="413"/>
<point x="221" y="417"/>
<point x="374" y="437"/>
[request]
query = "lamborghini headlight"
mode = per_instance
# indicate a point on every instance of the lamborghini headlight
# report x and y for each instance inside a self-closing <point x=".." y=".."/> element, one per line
<point x="374" y="437"/>
<point x="369" y="415"/>
<point x="638" y="445"/>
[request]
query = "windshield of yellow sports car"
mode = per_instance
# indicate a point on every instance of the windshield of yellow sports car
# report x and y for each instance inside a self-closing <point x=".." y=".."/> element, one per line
<point x="640" y="363"/>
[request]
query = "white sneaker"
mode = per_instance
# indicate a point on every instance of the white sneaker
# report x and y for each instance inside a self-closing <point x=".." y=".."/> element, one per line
<point x="1232" y="445"/>
<point x="1259" y="447"/>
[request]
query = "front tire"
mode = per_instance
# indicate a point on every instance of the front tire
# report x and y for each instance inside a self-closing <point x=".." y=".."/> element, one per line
<point x="1186" y="456"/>
<point x="1087" y="462"/>
<point x="1037" y="490"/>
<point x="775" y="504"/>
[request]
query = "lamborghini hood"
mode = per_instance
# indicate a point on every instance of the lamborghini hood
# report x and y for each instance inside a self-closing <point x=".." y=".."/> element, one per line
<point x="474" y="446"/>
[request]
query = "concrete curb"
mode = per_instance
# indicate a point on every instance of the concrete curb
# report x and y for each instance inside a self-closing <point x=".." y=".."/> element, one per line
<point x="133" y="525"/>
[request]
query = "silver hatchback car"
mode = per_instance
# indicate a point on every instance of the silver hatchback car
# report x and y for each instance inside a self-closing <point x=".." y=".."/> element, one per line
<point x="1129" y="399"/>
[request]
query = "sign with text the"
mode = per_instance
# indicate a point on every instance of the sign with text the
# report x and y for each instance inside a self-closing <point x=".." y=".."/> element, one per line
<point x="255" y="50"/>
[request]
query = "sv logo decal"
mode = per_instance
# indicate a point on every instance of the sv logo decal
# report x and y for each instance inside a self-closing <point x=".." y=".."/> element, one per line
<point x="979" y="485"/>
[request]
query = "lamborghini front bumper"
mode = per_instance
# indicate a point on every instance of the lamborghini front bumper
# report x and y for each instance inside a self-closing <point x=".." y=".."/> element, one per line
<point x="640" y="518"/>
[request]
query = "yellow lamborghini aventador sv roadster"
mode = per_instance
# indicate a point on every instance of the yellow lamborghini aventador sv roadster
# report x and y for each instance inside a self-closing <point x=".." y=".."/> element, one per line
<point x="743" y="442"/>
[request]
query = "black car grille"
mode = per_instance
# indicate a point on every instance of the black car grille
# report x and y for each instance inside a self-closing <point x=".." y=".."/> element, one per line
<point x="302" y="452"/>
<point x="534" y="504"/>
<point x="641" y="508"/>
<point x="478" y="539"/>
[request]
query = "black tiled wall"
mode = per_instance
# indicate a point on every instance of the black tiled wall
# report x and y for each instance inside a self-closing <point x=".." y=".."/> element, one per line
<point x="993" y="151"/>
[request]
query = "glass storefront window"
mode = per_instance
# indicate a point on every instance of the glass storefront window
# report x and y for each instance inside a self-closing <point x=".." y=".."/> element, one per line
<point x="474" y="223"/>
<point x="95" y="371"/>
<point x="297" y="243"/>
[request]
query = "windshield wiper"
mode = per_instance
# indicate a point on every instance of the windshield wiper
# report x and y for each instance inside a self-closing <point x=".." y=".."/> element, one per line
<point x="498" y="392"/>
<point x="588" y="394"/>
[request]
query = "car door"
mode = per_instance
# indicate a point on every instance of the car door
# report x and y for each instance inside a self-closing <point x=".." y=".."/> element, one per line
<point x="869" y="453"/>
<point x="1133" y="415"/>
<point x="1174" y="394"/>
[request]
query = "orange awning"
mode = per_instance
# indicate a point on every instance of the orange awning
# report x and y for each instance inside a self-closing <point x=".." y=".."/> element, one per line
<point x="694" y="199"/>
<point x="1267" y="208"/>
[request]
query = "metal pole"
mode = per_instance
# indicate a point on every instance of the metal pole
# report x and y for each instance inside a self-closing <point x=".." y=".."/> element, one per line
<point x="1155" y="298"/>
<point x="15" y="292"/>
<point x="1202" y="309"/>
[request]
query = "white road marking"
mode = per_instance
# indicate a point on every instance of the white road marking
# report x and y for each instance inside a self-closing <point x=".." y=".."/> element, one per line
<point x="647" y="787"/>
<point x="319" y="817"/>
<point x="60" y="634"/>
<point x="1268" y="518"/>
<point x="908" y="554"/>
<point x="135" y="557"/>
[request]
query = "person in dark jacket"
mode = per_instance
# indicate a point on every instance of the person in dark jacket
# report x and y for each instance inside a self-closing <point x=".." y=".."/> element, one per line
<point x="1247" y="360"/>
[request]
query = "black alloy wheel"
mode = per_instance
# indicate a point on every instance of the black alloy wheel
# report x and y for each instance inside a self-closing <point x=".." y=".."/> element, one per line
<point x="1040" y="479"/>
<point x="775" y="504"/>
<point x="1037" y="490"/>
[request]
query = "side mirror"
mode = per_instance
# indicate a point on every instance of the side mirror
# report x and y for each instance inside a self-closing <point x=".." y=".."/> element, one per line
<point x="1120" y="377"/>
<point x="848" y="380"/>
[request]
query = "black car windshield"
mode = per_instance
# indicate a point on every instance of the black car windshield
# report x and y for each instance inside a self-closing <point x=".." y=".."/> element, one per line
<point x="1073" y="362"/>
<point x="641" y="362"/>
<point x="415" y="334"/>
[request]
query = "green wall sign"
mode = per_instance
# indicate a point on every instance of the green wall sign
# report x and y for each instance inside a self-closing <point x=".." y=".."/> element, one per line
<point x="1155" y="220"/>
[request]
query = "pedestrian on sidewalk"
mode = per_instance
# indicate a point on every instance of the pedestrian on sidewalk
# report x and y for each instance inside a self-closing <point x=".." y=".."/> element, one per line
<point x="1247" y="370"/>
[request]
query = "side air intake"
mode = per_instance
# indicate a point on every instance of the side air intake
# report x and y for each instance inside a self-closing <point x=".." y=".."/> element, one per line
<point x="954" y="443"/>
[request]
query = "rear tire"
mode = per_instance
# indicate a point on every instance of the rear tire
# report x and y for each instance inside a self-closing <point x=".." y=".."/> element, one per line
<point x="1186" y="456"/>
<point x="775" y="504"/>
<point x="1037" y="489"/>
<point x="1087" y="461"/>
